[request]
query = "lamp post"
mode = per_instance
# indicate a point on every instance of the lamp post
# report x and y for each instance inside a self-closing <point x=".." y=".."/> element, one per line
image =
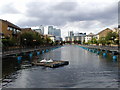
<point x="25" y="41"/>
<point x="34" y="42"/>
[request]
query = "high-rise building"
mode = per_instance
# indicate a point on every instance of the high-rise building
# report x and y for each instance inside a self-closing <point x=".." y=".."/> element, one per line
<point x="57" y="32"/>
<point x="54" y="31"/>
<point x="50" y="30"/>
<point x="40" y="29"/>
<point x="70" y="33"/>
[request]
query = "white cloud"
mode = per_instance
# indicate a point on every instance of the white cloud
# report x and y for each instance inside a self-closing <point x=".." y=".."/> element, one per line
<point x="79" y="16"/>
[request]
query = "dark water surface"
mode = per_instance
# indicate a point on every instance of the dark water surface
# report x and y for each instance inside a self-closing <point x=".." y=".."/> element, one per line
<point x="86" y="70"/>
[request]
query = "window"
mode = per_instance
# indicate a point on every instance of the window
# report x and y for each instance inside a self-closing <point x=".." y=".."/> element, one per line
<point x="8" y="28"/>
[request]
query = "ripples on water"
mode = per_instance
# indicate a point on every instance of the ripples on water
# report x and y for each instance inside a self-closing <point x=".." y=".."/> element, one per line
<point x="86" y="70"/>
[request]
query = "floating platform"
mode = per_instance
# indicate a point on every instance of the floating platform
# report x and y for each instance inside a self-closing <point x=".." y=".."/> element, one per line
<point x="53" y="64"/>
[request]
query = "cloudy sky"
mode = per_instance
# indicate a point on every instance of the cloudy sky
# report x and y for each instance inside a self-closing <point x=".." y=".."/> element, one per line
<point x="77" y="15"/>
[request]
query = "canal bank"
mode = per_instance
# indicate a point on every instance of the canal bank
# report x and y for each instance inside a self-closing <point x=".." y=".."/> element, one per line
<point x="85" y="70"/>
<point x="113" y="51"/>
<point x="27" y="50"/>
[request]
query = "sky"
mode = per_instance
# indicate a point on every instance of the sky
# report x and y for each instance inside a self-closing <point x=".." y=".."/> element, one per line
<point x="68" y="15"/>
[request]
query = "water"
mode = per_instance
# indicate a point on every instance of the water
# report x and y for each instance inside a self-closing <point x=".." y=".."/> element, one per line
<point x="86" y="70"/>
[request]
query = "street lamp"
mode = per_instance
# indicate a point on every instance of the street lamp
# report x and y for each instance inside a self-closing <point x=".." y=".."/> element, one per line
<point x="34" y="41"/>
<point x="25" y="41"/>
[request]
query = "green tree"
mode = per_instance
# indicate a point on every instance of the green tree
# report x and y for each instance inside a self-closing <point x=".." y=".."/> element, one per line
<point x="48" y="41"/>
<point x="27" y="39"/>
<point x="112" y="38"/>
<point x="93" y="41"/>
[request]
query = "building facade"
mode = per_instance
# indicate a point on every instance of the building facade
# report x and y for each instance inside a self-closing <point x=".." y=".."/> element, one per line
<point x="54" y="31"/>
<point x="103" y="33"/>
<point x="89" y="37"/>
<point x="24" y="30"/>
<point x="40" y="30"/>
<point x="50" y="30"/>
<point x="75" y="37"/>
<point x="8" y="29"/>
<point x="53" y="38"/>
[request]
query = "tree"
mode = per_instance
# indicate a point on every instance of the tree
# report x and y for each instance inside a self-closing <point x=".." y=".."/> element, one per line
<point x="112" y="38"/>
<point x="93" y="41"/>
<point x="26" y="39"/>
<point x="9" y="42"/>
<point x="48" y="41"/>
<point x="31" y="39"/>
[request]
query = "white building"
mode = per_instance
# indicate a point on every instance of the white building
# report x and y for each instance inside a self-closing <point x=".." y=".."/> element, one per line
<point x="52" y="37"/>
<point x="67" y="39"/>
<point x="75" y="37"/>
<point x="89" y="37"/>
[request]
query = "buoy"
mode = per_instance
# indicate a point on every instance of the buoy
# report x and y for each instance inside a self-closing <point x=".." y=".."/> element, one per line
<point x="30" y="55"/>
<point x="38" y="53"/>
<point x="42" y="51"/>
<point x="104" y="54"/>
<point x="46" y="50"/>
<point x="19" y="58"/>
<point x="98" y="52"/>
<point x="114" y="57"/>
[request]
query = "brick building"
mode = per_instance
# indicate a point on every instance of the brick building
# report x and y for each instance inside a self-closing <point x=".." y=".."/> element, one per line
<point x="8" y="29"/>
<point x="103" y="33"/>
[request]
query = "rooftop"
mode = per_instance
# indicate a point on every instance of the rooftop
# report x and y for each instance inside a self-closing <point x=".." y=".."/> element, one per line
<point x="10" y="24"/>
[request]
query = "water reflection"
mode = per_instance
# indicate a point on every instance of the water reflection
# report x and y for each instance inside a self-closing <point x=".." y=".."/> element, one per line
<point x="85" y="70"/>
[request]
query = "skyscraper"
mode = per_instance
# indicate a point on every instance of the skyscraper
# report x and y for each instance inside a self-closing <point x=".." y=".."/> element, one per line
<point x="57" y="32"/>
<point x="54" y="31"/>
<point x="40" y="29"/>
<point x="50" y="30"/>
